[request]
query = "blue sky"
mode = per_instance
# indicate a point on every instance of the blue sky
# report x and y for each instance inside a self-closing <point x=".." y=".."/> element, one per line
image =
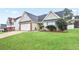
<point x="15" y="12"/>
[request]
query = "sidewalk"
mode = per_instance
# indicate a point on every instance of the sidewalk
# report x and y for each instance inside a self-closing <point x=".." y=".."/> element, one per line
<point x="9" y="34"/>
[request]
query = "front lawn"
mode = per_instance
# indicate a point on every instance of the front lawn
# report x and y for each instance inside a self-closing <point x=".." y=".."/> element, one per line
<point x="42" y="41"/>
<point x="1" y="32"/>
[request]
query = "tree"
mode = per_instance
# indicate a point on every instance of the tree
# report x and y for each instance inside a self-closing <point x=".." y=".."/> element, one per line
<point x="67" y="13"/>
<point x="62" y="25"/>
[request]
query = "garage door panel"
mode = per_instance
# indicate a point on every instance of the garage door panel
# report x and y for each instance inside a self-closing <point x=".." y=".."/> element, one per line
<point x="25" y="27"/>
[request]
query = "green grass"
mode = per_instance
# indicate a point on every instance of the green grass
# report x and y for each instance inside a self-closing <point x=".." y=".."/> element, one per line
<point x="42" y="41"/>
<point x="1" y="32"/>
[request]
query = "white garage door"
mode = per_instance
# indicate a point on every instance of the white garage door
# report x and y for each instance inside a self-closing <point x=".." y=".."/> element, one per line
<point x="25" y="27"/>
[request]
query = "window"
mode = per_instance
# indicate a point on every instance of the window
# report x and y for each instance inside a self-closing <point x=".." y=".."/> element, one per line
<point x="51" y="23"/>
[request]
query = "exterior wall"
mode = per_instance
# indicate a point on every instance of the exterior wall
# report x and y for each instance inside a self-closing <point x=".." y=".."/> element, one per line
<point x="70" y="26"/>
<point x="45" y="24"/>
<point x="34" y="26"/>
<point x="16" y="24"/>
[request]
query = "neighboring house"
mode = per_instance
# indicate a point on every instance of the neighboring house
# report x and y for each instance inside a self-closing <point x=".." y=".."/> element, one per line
<point x="2" y="26"/>
<point x="11" y="22"/>
<point x="76" y="23"/>
<point x="30" y="22"/>
<point x="77" y="17"/>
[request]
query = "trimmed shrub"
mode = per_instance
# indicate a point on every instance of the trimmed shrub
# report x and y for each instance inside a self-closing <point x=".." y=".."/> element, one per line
<point x="51" y="28"/>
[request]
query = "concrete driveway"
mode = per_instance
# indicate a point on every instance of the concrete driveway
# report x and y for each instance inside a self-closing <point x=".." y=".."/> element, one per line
<point x="6" y="34"/>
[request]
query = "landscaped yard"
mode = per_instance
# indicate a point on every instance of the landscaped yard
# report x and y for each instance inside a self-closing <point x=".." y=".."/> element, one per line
<point x="42" y="40"/>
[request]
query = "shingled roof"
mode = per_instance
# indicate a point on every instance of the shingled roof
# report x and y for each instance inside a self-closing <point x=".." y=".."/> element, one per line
<point x="41" y="17"/>
<point x="17" y="18"/>
<point x="76" y="17"/>
<point x="33" y="17"/>
<point x="60" y="13"/>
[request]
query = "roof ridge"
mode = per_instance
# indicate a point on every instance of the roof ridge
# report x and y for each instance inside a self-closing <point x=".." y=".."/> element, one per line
<point x="42" y="15"/>
<point x="29" y="13"/>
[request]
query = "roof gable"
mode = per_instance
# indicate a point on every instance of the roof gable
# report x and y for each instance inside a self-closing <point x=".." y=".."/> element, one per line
<point x="25" y="17"/>
<point x="28" y="16"/>
<point x="51" y="15"/>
